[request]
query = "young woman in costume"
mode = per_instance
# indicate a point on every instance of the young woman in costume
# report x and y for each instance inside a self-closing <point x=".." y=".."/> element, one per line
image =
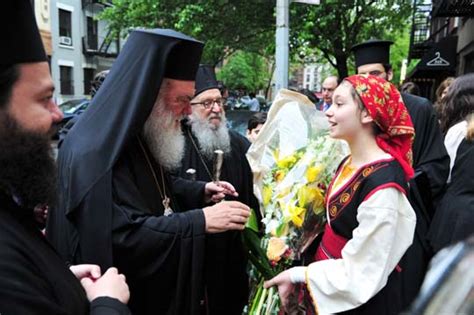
<point x="371" y="224"/>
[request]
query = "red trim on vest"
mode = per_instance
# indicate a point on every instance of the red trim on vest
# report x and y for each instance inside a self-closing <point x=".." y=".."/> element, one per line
<point x="331" y="245"/>
<point x="387" y="185"/>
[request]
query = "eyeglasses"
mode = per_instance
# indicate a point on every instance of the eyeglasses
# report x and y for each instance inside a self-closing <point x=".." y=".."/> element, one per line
<point x="210" y="103"/>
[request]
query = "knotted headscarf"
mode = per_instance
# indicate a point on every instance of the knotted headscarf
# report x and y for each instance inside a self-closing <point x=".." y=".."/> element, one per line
<point x="385" y="105"/>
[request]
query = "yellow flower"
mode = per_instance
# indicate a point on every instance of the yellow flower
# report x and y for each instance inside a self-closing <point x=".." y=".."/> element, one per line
<point x="276" y="248"/>
<point x="279" y="175"/>
<point x="296" y="215"/>
<point x="267" y="195"/>
<point x="307" y="195"/>
<point x="312" y="173"/>
<point x="286" y="162"/>
<point x="318" y="200"/>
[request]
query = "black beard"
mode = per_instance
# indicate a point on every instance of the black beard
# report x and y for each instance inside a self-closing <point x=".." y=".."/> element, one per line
<point x="27" y="166"/>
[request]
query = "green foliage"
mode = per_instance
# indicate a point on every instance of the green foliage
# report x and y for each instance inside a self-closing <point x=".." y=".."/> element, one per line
<point x="335" y="26"/>
<point x="227" y="26"/>
<point x="245" y="70"/>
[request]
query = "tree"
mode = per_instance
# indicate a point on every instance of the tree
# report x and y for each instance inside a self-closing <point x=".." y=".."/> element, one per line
<point x="245" y="70"/>
<point x="225" y="26"/>
<point x="335" y="26"/>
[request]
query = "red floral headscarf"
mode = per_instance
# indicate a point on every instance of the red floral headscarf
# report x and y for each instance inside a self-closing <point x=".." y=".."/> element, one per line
<point x="385" y="105"/>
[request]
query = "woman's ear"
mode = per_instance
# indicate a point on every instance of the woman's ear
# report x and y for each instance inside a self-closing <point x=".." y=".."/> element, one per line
<point x="365" y="117"/>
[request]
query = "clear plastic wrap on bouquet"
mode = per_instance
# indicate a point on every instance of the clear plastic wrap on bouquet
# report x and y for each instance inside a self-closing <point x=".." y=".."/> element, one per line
<point x="293" y="161"/>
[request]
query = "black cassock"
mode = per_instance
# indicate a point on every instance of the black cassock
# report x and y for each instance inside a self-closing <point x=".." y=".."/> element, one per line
<point x="33" y="278"/>
<point x="431" y="159"/>
<point x="110" y="207"/>
<point x="225" y="263"/>
<point x="429" y="153"/>
<point x="454" y="218"/>
<point x="162" y="257"/>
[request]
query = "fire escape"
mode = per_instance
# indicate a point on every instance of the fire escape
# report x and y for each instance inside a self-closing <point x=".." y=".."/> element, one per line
<point x="92" y="43"/>
<point x="453" y="8"/>
<point x="420" y="31"/>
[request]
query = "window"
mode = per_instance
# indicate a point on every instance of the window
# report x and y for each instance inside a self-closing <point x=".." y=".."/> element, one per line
<point x="65" y="76"/>
<point x="92" y="42"/>
<point x="469" y="63"/>
<point x="88" y="77"/>
<point x="65" y="31"/>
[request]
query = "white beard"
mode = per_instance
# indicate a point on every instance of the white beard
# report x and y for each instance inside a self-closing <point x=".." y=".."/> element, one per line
<point x="165" y="141"/>
<point x="209" y="137"/>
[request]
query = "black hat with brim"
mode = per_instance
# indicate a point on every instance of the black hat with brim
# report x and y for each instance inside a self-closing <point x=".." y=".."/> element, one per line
<point x="20" y="40"/>
<point x="205" y="79"/>
<point x="372" y="51"/>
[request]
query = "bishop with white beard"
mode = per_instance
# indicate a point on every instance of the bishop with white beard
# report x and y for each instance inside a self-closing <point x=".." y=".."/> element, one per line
<point x="205" y="131"/>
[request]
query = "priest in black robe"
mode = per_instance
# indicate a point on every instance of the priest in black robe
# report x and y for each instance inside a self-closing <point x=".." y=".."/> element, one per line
<point x="116" y="204"/>
<point x="206" y="131"/>
<point x="33" y="278"/>
<point x="430" y="160"/>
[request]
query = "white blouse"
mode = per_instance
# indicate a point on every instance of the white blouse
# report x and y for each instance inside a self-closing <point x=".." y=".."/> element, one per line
<point x="453" y="139"/>
<point x="385" y="231"/>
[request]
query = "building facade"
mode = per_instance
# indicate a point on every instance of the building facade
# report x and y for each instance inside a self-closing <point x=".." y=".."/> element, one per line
<point x="443" y="39"/>
<point x="79" y="46"/>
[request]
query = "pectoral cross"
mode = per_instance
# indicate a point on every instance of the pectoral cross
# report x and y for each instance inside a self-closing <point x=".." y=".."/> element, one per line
<point x="166" y="205"/>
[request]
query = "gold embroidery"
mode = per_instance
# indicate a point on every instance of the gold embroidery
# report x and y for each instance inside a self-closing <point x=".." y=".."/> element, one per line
<point x="345" y="197"/>
<point x="367" y="171"/>
<point x="333" y="211"/>
<point x="356" y="185"/>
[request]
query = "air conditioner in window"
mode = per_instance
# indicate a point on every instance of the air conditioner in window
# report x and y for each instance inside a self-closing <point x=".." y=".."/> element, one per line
<point x="64" y="40"/>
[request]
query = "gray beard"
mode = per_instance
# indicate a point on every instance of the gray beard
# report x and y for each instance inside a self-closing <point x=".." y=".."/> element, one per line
<point x="209" y="137"/>
<point x="165" y="142"/>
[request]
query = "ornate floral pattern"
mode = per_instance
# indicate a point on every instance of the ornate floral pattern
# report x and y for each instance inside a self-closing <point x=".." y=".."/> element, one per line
<point x="385" y="105"/>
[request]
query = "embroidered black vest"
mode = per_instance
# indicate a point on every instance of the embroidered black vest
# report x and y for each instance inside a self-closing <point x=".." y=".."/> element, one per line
<point x="342" y="206"/>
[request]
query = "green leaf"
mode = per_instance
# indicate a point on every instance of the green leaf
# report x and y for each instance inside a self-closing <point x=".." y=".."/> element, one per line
<point x="256" y="254"/>
<point x="252" y="222"/>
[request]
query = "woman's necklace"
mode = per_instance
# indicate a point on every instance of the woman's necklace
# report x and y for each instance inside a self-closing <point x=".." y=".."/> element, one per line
<point x="165" y="199"/>
<point x="346" y="172"/>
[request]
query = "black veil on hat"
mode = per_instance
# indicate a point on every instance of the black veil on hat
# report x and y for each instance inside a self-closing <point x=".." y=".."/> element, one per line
<point x="115" y="117"/>
<point x="20" y="41"/>
<point x="205" y="79"/>
<point x="372" y="51"/>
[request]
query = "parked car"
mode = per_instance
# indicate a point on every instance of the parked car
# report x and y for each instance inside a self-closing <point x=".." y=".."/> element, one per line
<point x="70" y="109"/>
<point x="73" y="108"/>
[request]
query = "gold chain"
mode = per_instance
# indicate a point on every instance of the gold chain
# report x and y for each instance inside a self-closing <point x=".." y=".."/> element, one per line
<point x="165" y="199"/>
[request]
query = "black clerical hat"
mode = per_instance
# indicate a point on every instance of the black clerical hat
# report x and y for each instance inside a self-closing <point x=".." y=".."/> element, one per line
<point x="205" y="79"/>
<point x="183" y="61"/>
<point x="372" y="51"/>
<point x="20" y="41"/>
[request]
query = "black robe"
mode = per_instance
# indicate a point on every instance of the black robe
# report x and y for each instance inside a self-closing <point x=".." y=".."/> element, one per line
<point x="33" y="278"/>
<point x="431" y="165"/>
<point x="226" y="278"/>
<point x="454" y="218"/>
<point x="429" y="153"/>
<point x="162" y="257"/>
<point x="109" y="209"/>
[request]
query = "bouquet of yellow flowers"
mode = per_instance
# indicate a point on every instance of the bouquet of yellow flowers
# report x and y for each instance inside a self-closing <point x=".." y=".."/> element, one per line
<point x="293" y="160"/>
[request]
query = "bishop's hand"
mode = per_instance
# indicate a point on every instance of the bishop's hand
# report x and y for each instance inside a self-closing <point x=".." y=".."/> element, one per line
<point x="226" y="215"/>
<point x="215" y="192"/>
